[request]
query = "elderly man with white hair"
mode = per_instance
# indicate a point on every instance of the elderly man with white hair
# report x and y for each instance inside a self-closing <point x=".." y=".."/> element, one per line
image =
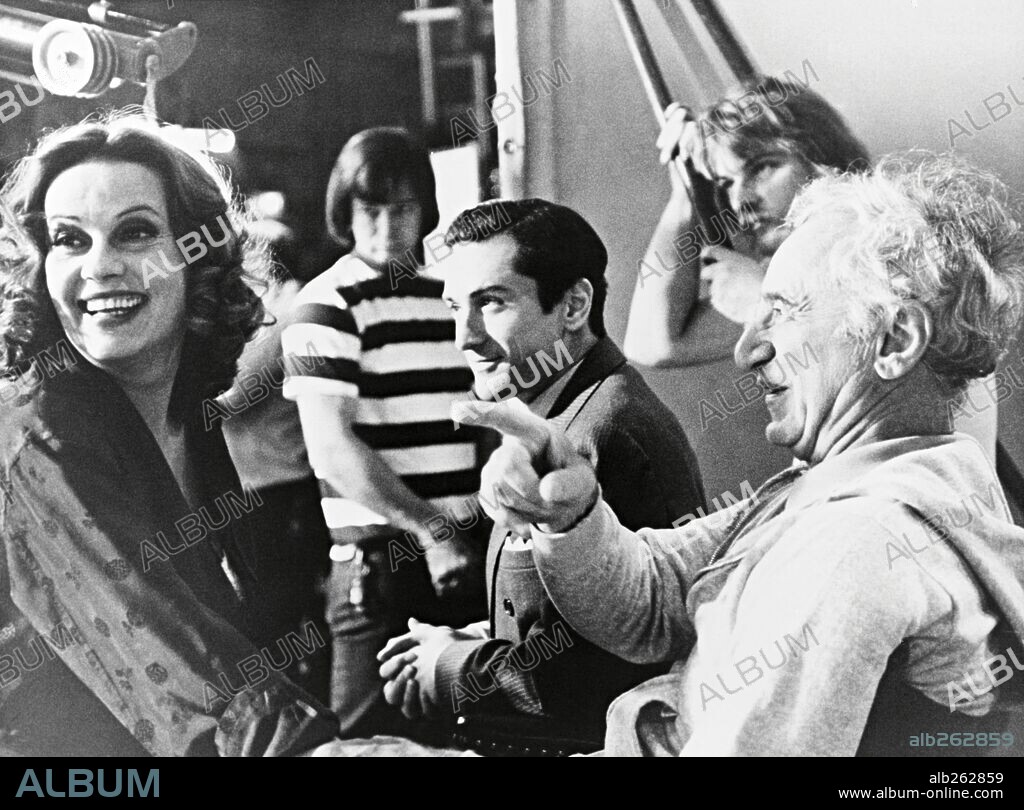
<point x="869" y="599"/>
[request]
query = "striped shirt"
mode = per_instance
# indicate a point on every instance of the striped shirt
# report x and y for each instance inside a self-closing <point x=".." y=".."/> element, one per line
<point x="390" y="347"/>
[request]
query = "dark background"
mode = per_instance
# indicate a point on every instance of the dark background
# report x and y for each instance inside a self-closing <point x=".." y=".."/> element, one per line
<point x="368" y="60"/>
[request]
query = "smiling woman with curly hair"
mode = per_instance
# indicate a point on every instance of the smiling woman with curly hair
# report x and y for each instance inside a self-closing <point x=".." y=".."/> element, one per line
<point x="221" y="310"/>
<point x="123" y="307"/>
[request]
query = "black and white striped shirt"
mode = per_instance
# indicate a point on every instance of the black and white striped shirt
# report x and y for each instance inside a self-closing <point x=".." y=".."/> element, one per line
<point x="390" y="346"/>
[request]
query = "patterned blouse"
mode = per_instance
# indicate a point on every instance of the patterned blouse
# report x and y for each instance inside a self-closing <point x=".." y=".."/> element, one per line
<point x="128" y="622"/>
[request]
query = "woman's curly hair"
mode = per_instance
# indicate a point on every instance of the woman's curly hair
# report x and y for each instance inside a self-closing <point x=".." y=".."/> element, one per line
<point x="223" y="310"/>
<point x="934" y="230"/>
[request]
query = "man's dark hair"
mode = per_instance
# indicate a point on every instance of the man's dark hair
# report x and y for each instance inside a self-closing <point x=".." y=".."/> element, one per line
<point x="372" y="165"/>
<point x="555" y="246"/>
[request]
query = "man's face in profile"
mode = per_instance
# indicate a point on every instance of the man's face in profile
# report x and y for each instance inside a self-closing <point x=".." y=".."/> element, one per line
<point x="499" y="324"/>
<point x="818" y="378"/>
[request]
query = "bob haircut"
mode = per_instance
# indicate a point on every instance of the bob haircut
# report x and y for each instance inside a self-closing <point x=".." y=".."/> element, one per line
<point x="222" y="310"/>
<point x="372" y="165"/>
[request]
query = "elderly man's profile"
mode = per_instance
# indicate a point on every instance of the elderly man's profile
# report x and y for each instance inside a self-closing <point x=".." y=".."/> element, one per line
<point x="905" y="282"/>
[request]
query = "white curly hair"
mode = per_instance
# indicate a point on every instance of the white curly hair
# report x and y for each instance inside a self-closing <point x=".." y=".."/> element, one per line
<point x="932" y="229"/>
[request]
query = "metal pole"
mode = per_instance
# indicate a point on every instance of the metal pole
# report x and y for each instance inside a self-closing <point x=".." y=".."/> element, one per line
<point x="428" y="92"/>
<point x="735" y="55"/>
<point x="657" y="94"/>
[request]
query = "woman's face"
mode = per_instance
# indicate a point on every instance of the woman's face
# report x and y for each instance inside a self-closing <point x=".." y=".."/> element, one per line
<point x="109" y="268"/>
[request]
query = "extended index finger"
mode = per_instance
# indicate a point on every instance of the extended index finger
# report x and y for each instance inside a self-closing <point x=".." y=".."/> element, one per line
<point x="509" y="417"/>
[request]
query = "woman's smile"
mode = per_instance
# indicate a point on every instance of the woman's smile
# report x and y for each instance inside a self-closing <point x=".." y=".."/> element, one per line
<point x="108" y="228"/>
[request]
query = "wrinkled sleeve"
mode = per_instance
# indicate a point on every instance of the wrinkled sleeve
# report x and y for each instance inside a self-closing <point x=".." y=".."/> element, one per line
<point x="626" y="591"/>
<point x="799" y="677"/>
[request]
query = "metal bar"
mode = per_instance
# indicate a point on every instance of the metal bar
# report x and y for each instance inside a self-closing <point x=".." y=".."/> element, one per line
<point x="643" y="57"/>
<point x="697" y="50"/>
<point x="657" y="94"/>
<point x="18" y="29"/>
<point x="99" y="13"/>
<point x="428" y="91"/>
<point x="730" y="47"/>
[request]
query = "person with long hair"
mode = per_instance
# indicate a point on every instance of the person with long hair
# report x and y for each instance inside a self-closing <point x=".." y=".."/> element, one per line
<point x="759" y="145"/>
<point x="125" y="564"/>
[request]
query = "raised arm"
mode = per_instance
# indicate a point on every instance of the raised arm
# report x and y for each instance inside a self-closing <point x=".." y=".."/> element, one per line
<point x="669" y="325"/>
<point x="625" y="592"/>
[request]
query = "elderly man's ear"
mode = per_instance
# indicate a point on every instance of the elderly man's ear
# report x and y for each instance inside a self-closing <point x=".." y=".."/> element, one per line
<point x="576" y="304"/>
<point x="901" y="348"/>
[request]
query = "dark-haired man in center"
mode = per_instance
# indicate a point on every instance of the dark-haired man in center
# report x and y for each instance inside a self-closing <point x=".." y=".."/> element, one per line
<point x="525" y="281"/>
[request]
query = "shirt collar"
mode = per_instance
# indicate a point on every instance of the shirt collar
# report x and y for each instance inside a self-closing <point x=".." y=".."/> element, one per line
<point x="545" y="401"/>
